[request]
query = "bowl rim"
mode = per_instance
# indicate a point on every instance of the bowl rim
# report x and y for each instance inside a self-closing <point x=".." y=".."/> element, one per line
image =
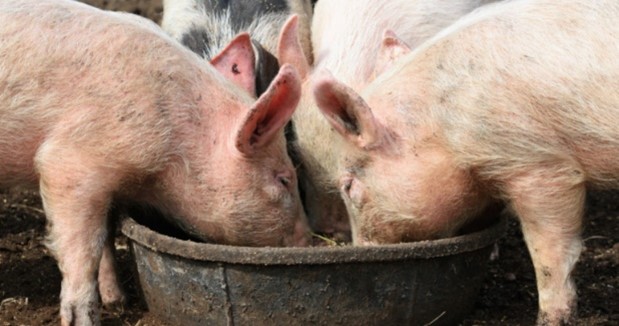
<point x="219" y="253"/>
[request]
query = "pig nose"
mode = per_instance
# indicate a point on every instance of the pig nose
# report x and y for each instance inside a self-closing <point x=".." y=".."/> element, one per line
<point x="362" y="241"/>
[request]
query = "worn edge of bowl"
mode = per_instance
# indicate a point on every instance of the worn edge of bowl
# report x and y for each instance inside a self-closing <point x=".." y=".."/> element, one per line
<point x="148" y="238"/>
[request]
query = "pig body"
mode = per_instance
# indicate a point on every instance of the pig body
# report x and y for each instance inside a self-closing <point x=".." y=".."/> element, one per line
<point x="516" y="103"/>
<point x="347" y="38"/>
<point x="208" y="26"/>
<point x="99" y="108"/>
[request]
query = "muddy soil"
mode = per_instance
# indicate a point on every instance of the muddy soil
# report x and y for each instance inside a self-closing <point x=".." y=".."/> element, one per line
<point x="30" y="280"/>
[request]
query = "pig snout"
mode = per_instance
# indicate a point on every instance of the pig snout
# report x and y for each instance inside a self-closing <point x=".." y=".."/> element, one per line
<point x="359" y="240"/>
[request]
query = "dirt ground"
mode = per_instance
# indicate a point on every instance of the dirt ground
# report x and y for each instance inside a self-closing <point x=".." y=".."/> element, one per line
<point x="30" y="280"/>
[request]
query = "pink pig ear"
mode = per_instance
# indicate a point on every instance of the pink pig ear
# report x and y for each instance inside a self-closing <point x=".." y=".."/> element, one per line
<point x="391" y="49"/>
<point x="271" y="111"/>
<point x="289" y="49"/>
<point x="346" y="111"/>
<point x="237" y="62"/>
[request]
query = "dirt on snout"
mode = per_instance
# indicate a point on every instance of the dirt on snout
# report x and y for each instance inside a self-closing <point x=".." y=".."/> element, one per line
<point x="30" y="279"/>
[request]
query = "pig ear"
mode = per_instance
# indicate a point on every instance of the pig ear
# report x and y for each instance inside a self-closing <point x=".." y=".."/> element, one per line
<point x="237" y="63"/>
<point x="289" y="49"/>
<point x="271" y="111"/>
<point x="346" y="111"/>
<point x="391" y="49"/>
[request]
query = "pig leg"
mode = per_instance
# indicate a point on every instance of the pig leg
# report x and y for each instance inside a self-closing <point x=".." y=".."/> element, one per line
<point x="76" y="197"/>
<point x="550" y="205"/>
<point x="112" y="296"/>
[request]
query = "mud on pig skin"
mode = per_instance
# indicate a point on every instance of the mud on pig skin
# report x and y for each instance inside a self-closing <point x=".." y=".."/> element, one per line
<point x="518" y="102"/>
<point x="356" y="40"/>
<point x="99" y="107"/>
<point x="211" y="28"/>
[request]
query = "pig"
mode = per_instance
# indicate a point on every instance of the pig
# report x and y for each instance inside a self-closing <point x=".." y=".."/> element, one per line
<point x="517" y="103"/>
<point x="356" y="40"/>
<point x="220" y="31"/>
<point x="99" y="108"/>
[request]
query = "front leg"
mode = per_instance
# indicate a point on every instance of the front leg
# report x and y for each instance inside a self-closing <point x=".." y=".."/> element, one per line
<point x="76" y="195"/>
<point x="549" y="202"/>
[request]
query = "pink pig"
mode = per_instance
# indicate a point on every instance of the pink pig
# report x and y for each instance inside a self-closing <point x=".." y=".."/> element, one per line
<point x="518" y="103"/>
<point x="356" y="40"/>
<point x="99" y="107"/>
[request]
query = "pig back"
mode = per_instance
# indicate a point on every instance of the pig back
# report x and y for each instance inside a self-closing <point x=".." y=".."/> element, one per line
<point x="69" y="71"/>
<point x="347" y="34"/>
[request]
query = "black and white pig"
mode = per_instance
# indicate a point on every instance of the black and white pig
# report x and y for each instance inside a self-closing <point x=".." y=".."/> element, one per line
<point x="222" y="31"/>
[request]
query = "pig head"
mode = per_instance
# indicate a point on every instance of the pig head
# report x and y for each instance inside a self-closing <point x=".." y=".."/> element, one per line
<point x="239" y="178"/>
<point x="398" y="183"/>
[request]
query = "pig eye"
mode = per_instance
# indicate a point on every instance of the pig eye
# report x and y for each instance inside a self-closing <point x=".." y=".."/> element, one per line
<point x="285" y="181"/>
<point x="352" y="189"/>
<point x="346" y="186"/>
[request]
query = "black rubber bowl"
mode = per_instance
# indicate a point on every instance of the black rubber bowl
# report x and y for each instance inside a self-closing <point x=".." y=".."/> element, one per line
<point x="428" y="282"/>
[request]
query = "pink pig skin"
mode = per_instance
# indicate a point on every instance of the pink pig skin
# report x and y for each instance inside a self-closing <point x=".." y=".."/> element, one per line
<point x="99" y="108"/>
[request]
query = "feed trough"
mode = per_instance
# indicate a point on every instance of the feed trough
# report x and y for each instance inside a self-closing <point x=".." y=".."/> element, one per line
<point x="419" y="283"/>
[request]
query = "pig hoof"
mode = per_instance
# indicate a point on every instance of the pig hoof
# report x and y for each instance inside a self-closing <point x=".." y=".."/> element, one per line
<point x="115" y="307"/>
<point x="111" y="295"/>
<point x="113" y="302"/>
<point x="79" y="314"/>
<point x="546" y="319"/>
